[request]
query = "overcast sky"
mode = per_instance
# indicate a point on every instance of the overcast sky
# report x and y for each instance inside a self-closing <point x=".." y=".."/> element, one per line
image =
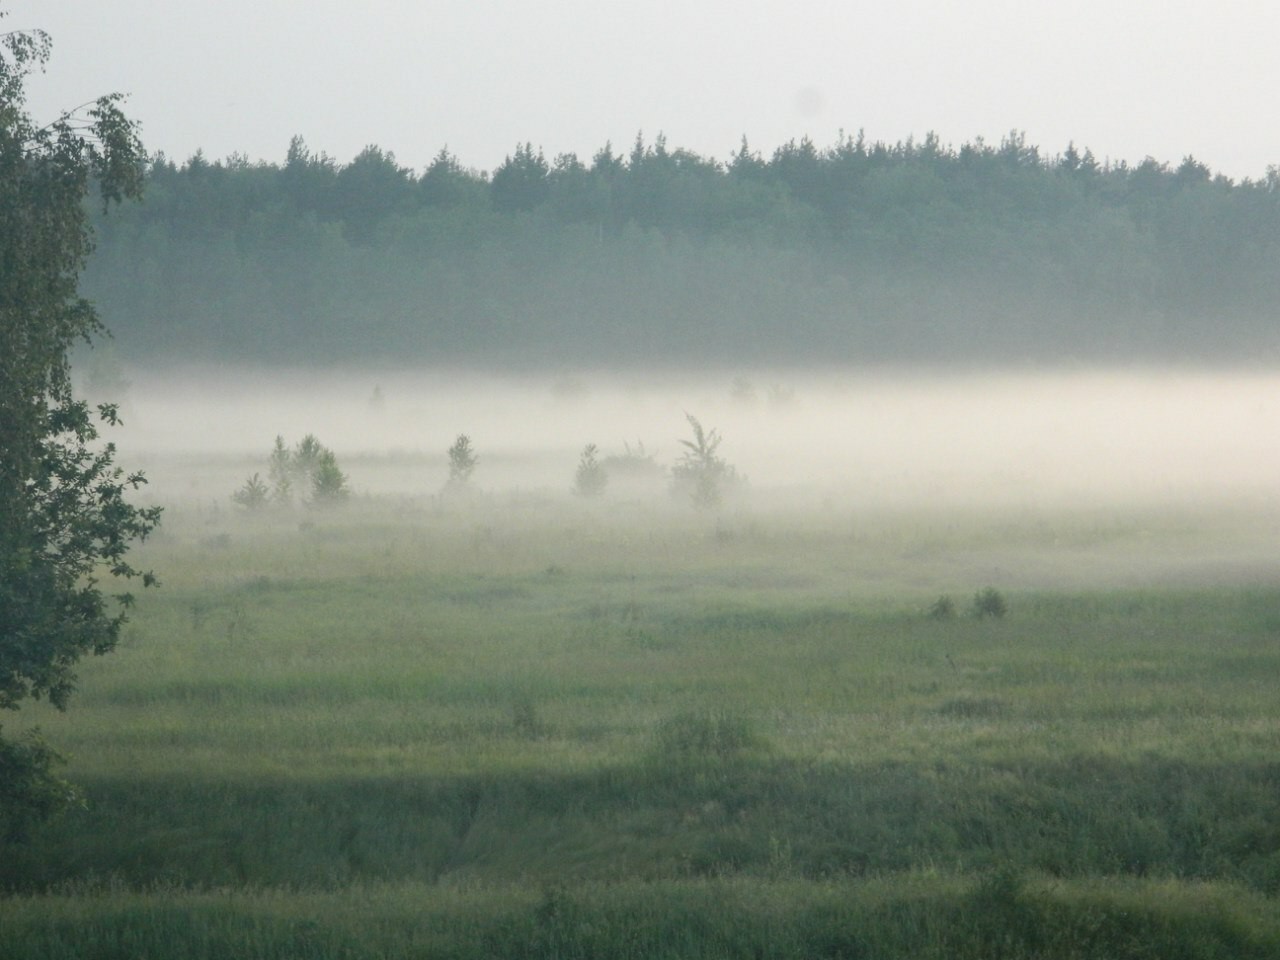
<point x="1126" y="78"/>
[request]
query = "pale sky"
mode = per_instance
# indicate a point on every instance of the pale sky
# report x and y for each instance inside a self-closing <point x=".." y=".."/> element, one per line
<point x="1126" y="78"/>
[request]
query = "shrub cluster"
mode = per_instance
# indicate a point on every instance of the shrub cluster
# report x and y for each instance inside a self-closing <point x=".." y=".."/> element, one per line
<point x="309" y="467"/>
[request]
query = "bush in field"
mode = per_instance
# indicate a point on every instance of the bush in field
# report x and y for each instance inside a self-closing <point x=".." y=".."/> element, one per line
<point x="634" y="466"/>
<point x="310" y="466"/>
<point x="280" y="470"/>
<point x="944" y="608"/>
<point x="591" y="477"/>
<point x="254" y="494"/>
<point x="29" y="790"/>
<point x="462" y="463"/>
<point x="328" y="483"/>
<point x="701" y="473"/>
<point x="307" y="456"/>
<point x="989" y="602"/>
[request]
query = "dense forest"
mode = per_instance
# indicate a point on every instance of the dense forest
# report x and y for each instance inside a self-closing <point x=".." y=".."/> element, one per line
<point x="857" y="252"/>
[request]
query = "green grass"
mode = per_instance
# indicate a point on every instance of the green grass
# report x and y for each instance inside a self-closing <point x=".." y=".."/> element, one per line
<point x="537" y="728"/>
<point x="923" y="916"/>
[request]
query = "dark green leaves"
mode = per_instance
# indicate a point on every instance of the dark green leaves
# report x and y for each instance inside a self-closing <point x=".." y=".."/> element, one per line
<point x="65" y="521"/>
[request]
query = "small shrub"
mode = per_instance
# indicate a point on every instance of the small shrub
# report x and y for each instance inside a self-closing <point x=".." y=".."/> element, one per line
<point x="307" y="457"/>
<point x="591" y="477"/>
<point x="328" y="483"/>
<point x="254" y="494"/>
<point x="635" y="462"/>
<point x="989" y="602"/>
<point x="280" y="470"/>
<point x="30" y="792"/>
<point x="634" y="469"/>
<point x="310" y="466"/>
<point x="462" y="463"/>
<point x="944" y="608"/>
<point x="701" y="473"/>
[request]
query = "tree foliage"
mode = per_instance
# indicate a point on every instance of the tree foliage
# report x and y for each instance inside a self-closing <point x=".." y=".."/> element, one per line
<point x="701" y="473"/>
<point x="29" y="789"/>
<point x="328" y="482"/>
<point x="65" y="520"/>
<point x="309" y="467"/>
<point x="462" y="463"/>
<point x="857" y="251"/>
<point x="591" y="478"/>
<point x="254" y="495"/>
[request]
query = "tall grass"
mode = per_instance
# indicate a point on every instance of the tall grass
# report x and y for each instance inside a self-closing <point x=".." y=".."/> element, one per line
<point x="919" y="916"/>
<point x="554" y="731"/>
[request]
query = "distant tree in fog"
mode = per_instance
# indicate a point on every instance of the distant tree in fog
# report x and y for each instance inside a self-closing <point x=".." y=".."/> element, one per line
<point x="254" y="495"/>
<point x="280" y="470"/>
<point x="701" y="473"/>
<point x="309" y="466"/>
<point x="521" y="183"/>
<point x="591" y="477"/>
<point x="446" y="183"/>
<point x="328" y="483"/>
<point x="462" y="463"/>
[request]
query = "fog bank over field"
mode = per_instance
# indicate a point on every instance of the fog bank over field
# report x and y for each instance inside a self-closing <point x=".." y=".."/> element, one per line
<point x="893" y="439"/>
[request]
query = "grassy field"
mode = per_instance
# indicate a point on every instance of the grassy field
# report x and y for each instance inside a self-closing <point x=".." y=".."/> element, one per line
<point x="532" y="726"/>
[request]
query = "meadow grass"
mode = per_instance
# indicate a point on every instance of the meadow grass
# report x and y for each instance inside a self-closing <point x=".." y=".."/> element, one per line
<point x="924" y="916"/>
<point x="530" y="727"/>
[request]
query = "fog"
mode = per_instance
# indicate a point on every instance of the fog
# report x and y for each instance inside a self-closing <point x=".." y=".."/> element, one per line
<point x="887" y="439"/>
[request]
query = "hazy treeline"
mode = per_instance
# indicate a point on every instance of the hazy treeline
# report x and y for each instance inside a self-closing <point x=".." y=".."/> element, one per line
<point x="860" y="251"/>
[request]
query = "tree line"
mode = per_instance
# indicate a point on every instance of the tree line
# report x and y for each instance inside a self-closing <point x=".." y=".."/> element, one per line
<point x="856" y="252"/>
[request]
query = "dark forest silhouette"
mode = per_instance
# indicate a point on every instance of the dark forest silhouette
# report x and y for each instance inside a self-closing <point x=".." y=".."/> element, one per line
<point x="857" y="252"/>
